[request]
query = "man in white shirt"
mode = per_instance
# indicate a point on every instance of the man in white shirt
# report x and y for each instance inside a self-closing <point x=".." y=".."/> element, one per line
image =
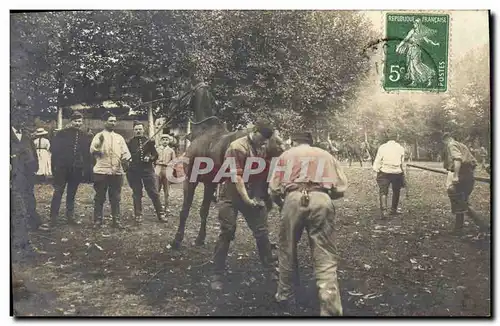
<point x="389" y="167"/>
<point x="112" y="155"/>
<point x="165" y="156"/>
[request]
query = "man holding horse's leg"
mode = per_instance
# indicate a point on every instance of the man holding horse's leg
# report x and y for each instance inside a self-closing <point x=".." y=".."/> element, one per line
<point x="247" y="199"/>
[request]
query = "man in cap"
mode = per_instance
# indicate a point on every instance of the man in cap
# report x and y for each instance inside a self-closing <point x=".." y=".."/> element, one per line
<point x="242" y="197"/>
<point x="305" y="192"/>
<point x="460" y="163"/>
<point x="388" y="164"/>
<point x="71" y="164"/>
<point x="165" y="156"/>
<point x="112" y="156"/>
<point x="141" y="172"/>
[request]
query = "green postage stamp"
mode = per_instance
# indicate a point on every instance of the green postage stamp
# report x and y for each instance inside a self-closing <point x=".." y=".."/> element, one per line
<point x="416" y="52"/>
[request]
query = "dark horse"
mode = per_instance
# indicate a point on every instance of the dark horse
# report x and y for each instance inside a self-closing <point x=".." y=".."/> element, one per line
<point x="210" y="139"/>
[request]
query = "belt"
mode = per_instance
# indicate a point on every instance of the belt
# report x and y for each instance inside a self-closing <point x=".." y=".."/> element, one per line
<point x="309" y="189"/>
<point x="165" y="165"/>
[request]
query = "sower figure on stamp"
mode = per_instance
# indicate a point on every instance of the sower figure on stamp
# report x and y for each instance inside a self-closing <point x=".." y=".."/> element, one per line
<point x="389" y="167"/>
<point x="141" y="173"/>
<point x="312" y="179"/>
<point x="112" y="155"/>
<point x="71" y="165"/>
<point x="165" y="155"/>
<point x="460" y="163"/>
<point x="239" y="197"/>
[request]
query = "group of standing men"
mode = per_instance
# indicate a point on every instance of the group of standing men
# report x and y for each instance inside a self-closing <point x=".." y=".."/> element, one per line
<point x="106" y="160"/>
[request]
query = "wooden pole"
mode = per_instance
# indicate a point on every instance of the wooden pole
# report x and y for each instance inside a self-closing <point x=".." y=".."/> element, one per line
<point x="442" y="171"/>
<point x="151" y="121"/>
<point x="188" y="131"/>
<point x="59" y="118"/>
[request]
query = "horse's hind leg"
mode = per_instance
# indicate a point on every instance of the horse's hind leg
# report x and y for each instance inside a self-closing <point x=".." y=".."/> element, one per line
<point x="208" y="195"/>
<point x="189" y="188"/>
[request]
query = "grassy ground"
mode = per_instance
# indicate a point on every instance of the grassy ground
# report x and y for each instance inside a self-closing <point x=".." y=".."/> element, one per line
<point x="408" y="266"/>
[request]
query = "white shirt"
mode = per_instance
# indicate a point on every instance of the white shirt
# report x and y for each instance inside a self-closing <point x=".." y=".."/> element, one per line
<point x="113" y="149"/>
<point x="165" y="155"/>
<point x="390" y="157"/>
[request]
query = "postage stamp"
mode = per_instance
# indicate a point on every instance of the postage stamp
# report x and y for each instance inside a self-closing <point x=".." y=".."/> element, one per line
<point x="416" y="52"/>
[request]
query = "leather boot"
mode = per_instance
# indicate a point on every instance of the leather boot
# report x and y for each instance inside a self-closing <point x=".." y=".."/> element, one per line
<point x="266" y="257"/>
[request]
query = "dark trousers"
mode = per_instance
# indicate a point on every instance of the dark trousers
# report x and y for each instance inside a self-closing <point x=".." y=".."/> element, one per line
<point x="65" y="176"/>
<point x="25" y="184"/>
<point x="144" y="178"/>
<point x="111" y="184"/>
<point x="256" y="218"/>
<point x="384" y="180"/>
<point x="19" y="226"/>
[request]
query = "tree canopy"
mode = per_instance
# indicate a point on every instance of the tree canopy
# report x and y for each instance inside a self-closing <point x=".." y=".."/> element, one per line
<point x="257" y="63"/>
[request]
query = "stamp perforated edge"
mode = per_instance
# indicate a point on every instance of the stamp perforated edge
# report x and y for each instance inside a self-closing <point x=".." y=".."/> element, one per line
<point x="383" y="15"/>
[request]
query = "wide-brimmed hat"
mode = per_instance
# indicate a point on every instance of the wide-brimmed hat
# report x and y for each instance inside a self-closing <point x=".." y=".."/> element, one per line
<point x="41" y="132"/>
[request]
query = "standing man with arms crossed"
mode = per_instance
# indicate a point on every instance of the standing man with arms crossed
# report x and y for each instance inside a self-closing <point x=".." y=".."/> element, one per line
<point x="71" y="165"/>
<point x="112" y="154"/>
<point x="308" y="191"/>
<point x="140" y="172"/>
<point x="389" y="167"/>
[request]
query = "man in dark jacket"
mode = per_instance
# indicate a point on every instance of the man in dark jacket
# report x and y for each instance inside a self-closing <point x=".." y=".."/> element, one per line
<point x="24" y="162"/>
<point x="143" y="154"/>
<point x="23" y="215"/>
<point x="71" y="165"/>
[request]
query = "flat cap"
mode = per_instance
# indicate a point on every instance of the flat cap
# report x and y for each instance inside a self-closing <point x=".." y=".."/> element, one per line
<point x="264" y="128"/>
<point x="76" y="115"/>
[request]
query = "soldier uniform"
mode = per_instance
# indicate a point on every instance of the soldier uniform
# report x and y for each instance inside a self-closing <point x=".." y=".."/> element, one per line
<point x="308" y="204"/>
<point x="459" y="190"/>
<point x="141" y="173"/>
<point x="232" y="203"/>
<point x="71" y="165"/>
